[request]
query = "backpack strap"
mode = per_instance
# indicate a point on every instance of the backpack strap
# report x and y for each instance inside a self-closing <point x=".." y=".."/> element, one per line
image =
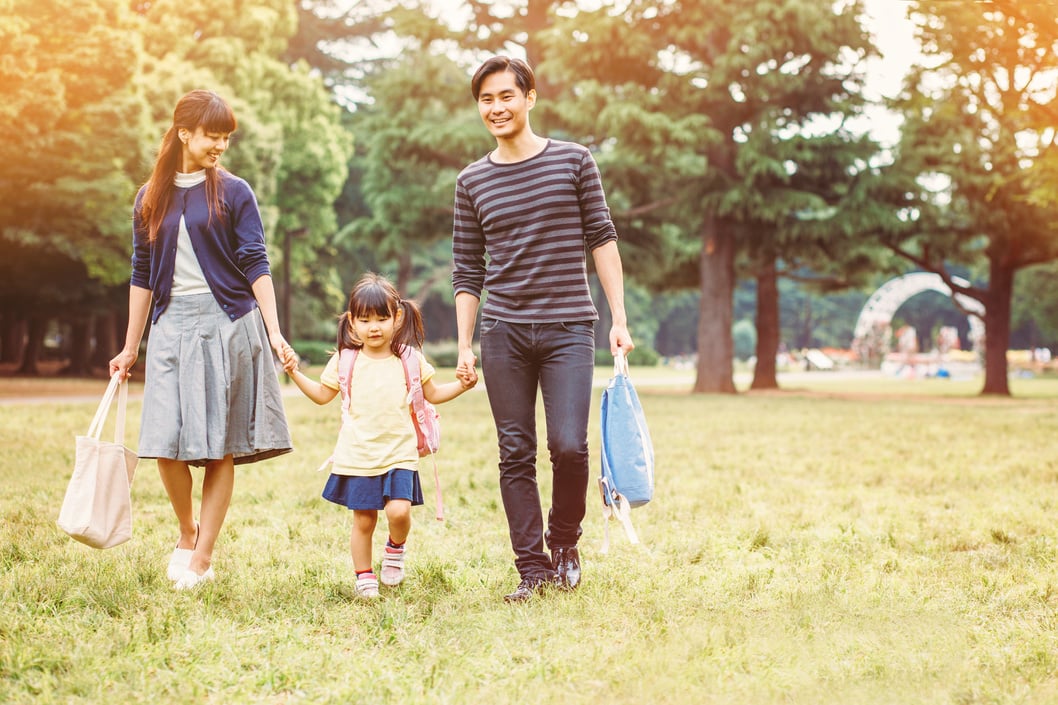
<point x="413" y="378"/>
<point x="617" y="508"/>
<point x="346" y="361"/>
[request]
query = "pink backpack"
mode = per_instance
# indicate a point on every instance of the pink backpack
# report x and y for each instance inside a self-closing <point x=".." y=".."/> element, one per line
<point x="424" y="416"/>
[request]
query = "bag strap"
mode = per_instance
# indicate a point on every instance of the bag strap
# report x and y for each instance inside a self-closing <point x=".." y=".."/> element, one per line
<point x="346" y="362"/>
<point x="413" y="378"/>
<point x="620" y="363"/>
<point x="618" y="508"/>
<point x="95" y="429"/>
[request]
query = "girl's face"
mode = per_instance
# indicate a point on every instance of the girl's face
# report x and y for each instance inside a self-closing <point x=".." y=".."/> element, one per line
<point x="202" y="149"/>
<point x="375" y="331"/>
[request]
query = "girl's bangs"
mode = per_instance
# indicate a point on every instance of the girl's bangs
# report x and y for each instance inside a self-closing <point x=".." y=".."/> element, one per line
<point x="371" y="299"/>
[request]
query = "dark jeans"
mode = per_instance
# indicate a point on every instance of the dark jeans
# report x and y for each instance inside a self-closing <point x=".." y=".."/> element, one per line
<point x="558" y="359"/>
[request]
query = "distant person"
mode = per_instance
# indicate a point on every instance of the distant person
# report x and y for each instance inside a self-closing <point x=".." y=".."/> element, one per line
<point x="376" y="461"/>
<point x="525" y="215"/>
<point x="211" y="395"/>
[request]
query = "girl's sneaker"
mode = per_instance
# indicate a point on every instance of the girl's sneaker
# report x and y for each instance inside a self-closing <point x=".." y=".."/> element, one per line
<point x="392" y="565"/>
<point x="367" y="586"/>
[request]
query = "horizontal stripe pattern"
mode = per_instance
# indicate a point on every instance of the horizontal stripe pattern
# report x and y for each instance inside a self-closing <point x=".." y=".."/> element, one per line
<point x="521" y="234"/>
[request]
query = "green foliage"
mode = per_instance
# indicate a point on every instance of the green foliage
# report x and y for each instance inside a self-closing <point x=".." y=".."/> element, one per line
<point x="641" y="356"/>
<point x="964" y="189"/>
<point x="416" y="132"/>
<point x="744" y="335"/>
<point x="69" y="145"/>
<point x="314" y="352"/>
<point x="442" y="353"/>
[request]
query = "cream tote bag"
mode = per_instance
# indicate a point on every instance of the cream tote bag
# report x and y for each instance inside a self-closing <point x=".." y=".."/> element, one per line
<point x="97" y="509"/>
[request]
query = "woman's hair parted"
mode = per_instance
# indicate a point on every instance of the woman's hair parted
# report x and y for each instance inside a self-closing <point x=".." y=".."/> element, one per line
<point x="523" y="74"/>
<point x="374" y="294"/>
<point x="199" y="108"/>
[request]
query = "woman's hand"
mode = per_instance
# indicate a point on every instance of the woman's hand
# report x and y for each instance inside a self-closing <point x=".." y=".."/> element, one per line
<point x="283" y="350"/>
<point x="123" y="363"/>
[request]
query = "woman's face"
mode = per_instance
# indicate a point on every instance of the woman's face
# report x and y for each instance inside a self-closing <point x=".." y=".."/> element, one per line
<point x="202" y="149"/>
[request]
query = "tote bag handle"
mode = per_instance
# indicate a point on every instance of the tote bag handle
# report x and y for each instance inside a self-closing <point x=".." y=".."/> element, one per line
<point x="95" y="430"/>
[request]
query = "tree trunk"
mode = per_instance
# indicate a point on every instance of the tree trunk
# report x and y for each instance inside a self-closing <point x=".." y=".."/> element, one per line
<point x="34" y="346"/>
<point x="106" y="339"/>
<point x="716" y="349"/>
<point x="405" y="270"/>
<point x="80" y="350"/>
<point x="13" y="338"/>
<point x="997" y="328"/>
<point x="764" y="376"/>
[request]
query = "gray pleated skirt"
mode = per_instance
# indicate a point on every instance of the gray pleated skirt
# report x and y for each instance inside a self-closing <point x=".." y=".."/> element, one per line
<point x="211" y="387"/>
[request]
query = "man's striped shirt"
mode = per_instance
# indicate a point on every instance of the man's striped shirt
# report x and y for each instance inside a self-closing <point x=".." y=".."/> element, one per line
<point x="534" y="220"/>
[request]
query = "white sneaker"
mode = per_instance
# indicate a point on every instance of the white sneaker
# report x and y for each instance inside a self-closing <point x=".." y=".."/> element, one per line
<point x="190" y="579"/>
<point x="393" y="565"/>
<point x="367" y="586"/>
<point x="180" y="560"/>
<point x="178" y="563"/>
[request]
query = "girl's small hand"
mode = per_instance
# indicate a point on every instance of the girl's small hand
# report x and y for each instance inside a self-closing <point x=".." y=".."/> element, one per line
<point x="468" y="378"/>
<point x="290" y="363"/>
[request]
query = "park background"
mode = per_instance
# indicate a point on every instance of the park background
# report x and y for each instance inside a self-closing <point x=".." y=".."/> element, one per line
<point x="855" y="536"/>
<point x="767" y="166"/>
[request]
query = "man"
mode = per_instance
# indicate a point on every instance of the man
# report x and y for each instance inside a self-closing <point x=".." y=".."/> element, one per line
<point x="534" y="206"/>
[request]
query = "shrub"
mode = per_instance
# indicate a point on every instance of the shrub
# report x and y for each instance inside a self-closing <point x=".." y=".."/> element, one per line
<point x="443" y="353"/>
<point x="640" y="356"/>
<point x="314" y="352"/>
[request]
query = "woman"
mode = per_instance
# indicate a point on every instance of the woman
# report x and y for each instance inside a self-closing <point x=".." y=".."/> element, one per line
<point x="211" y="396"/>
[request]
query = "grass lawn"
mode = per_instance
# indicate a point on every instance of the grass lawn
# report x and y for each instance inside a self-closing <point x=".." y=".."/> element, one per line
<point x="845" y="540"/>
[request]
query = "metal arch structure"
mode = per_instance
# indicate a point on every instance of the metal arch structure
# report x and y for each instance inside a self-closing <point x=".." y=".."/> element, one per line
<point x="889" y="297"/>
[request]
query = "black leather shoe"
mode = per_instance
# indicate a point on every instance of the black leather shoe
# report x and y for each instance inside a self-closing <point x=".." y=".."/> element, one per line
<point x="566" y="560"/>
<point x="527" y="589"/>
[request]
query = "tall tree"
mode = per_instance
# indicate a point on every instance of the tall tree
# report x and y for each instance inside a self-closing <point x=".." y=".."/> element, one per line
<point x="977" y="144"/>
<point x="706" y="86"/>
<point x="417" y="132"/>
<point x="71" y="128"/>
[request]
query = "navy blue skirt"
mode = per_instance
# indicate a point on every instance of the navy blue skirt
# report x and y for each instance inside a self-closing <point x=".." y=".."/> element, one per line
<point x="373" y="492"/>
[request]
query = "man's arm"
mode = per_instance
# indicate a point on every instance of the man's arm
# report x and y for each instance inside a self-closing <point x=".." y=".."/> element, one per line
<point x="466" y="317"/>
<point x="611" y="276"/>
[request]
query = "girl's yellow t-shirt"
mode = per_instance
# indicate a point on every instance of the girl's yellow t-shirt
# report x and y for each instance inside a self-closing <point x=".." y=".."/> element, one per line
<point x="378" y="434"/>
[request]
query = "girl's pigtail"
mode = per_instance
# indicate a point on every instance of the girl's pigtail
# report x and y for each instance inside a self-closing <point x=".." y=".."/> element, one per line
<point x="412" y="331"/>
<point x="346" y="337"/>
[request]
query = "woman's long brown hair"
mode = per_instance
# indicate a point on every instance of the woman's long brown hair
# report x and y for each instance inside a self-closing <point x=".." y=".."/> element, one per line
<point x="196" y="109"/>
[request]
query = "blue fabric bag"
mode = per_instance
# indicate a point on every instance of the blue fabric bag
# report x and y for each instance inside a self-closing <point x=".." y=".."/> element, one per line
<point x="627" y="478"/>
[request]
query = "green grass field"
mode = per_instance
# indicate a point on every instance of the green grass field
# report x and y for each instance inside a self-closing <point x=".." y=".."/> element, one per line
<point x="841" y="541"/>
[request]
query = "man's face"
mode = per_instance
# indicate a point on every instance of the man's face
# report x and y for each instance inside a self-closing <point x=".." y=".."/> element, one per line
<point x="503" y="107"/>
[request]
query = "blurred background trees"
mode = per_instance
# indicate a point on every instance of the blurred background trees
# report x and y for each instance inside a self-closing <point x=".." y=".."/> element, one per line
<point x="756" y="212"/>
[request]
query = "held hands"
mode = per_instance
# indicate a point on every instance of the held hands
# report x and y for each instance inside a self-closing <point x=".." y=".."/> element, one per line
<point x="467" y="378"/>
<point x="285" y="353"/>
<point x="291" y="362"/>
<point x="465" y="372"/>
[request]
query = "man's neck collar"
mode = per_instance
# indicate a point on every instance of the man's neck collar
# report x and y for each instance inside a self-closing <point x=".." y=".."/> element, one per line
<point x="525" y="146"/>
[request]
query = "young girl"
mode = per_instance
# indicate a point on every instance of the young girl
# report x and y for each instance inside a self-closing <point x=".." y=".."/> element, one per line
<point x="376" y="458"/>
